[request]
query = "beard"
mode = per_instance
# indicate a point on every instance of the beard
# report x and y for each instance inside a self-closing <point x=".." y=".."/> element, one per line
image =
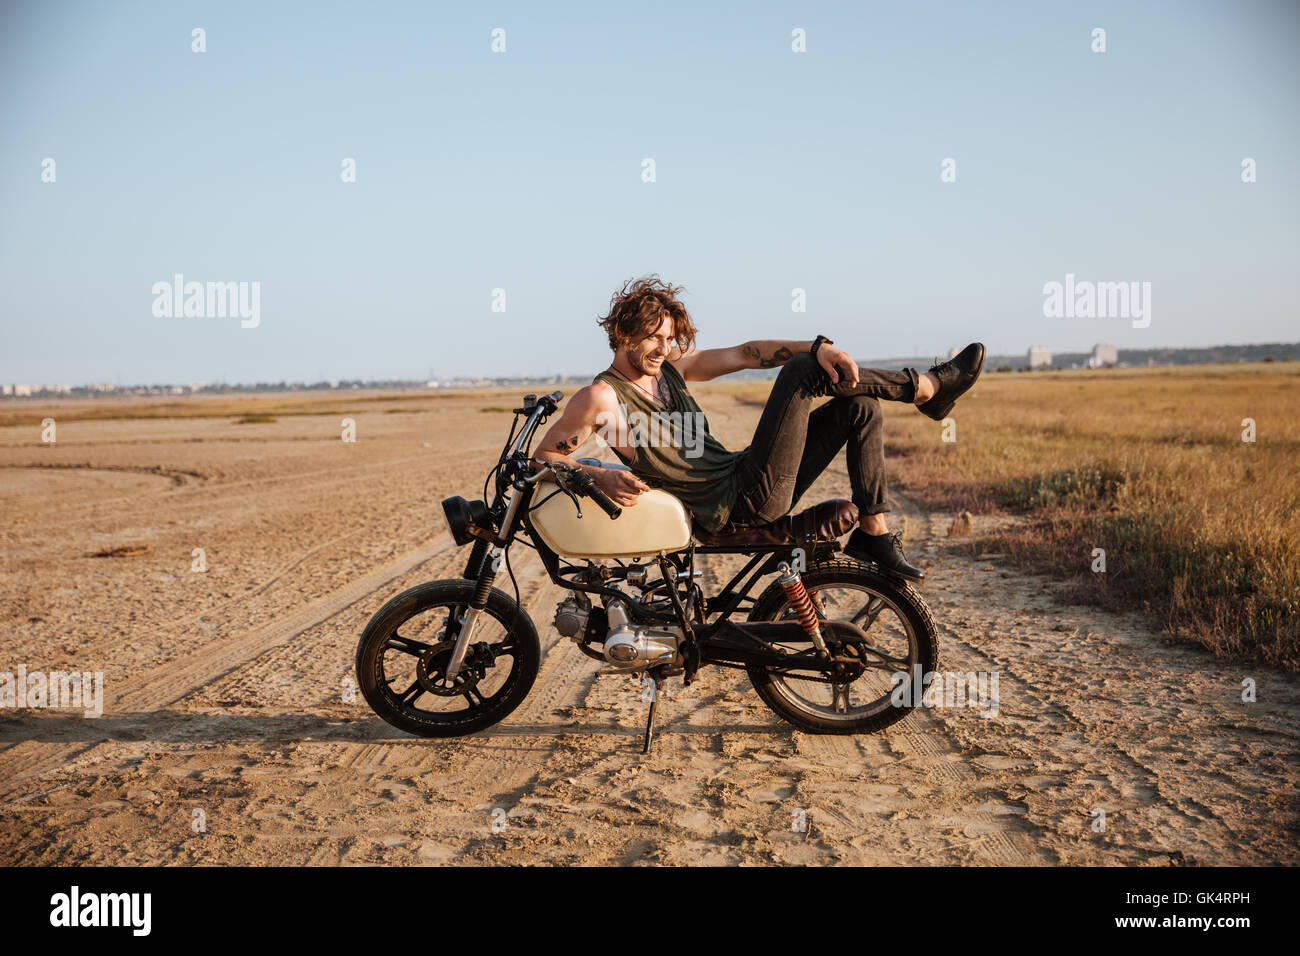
<point x="641" y="365"/>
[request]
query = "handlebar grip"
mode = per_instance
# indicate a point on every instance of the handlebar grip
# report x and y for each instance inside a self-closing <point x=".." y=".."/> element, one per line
<point x="587" y="485"/>
<point x="604" y="502"/>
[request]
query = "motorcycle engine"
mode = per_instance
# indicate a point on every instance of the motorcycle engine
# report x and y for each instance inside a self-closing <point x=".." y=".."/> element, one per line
<point x="636" y="648"/>
<point x="571" y="617"/>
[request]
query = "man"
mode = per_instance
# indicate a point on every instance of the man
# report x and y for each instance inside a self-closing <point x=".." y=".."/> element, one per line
<point x="652" y="337"/>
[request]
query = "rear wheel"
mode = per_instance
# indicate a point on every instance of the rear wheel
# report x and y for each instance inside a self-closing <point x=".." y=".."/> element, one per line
<point x="881" y="634"/>
<point x="404" y="651"/>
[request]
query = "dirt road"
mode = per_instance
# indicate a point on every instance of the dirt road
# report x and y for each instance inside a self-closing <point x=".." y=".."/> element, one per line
<point x="231" y="733"/>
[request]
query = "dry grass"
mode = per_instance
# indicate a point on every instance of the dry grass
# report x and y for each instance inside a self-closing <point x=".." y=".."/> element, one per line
<point x="1200" y="529"/>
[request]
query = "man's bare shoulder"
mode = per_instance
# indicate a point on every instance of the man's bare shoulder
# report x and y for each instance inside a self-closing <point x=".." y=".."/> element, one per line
<point x="591" y="400"/>
<point x="601" y="391"/>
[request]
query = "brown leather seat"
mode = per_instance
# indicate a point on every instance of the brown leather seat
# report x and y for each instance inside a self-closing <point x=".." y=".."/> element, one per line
<point x="826" y="521"/>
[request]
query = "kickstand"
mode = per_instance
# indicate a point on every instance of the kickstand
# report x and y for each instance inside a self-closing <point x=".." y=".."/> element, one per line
<point x="650" y="718"/>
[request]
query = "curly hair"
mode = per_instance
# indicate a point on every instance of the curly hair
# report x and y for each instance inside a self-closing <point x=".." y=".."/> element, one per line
<point x="640" y="306"/>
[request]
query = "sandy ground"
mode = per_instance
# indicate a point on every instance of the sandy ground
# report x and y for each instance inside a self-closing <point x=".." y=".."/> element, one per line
<point x="229" y="737"/>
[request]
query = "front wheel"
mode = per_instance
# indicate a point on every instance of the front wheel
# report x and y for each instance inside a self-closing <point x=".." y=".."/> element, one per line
<point x="404" y="651"/>
<point x="879" y="630"/>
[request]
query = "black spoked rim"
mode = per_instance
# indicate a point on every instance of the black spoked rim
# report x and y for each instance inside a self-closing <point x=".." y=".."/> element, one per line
<point x="411" y="664"/>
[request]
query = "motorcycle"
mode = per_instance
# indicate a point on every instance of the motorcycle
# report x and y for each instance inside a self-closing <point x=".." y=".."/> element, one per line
<point x="832" y="645"/>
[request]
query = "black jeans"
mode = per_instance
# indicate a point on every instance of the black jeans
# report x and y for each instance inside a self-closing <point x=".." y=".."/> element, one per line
<point x="793" y="444"/>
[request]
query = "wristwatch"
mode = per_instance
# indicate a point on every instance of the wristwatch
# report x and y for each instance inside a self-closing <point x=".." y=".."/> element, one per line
<point x="818" y="343"/>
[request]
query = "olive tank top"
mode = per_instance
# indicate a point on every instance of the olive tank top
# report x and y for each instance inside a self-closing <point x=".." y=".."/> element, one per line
<point x="674" y="450"/>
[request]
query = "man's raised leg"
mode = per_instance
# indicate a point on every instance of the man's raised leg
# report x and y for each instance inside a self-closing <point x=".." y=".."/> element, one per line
<point x="768" y="474"/>
<point x="855" y="421"/>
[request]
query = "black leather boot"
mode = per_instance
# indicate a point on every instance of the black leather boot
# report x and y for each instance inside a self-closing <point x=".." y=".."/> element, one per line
<point x="955" y="377"/>
<point x="883" y="550"/>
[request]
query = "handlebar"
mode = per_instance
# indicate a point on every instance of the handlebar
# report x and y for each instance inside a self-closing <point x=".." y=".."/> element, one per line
<point x="574" y="482"/>
<point x="537" y="410"/>
<point x="548" y="403"/>
<point x="587" y="486"/>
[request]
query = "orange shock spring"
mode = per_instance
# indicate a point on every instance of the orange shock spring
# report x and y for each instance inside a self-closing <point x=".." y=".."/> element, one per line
<point x="801" y="605"/>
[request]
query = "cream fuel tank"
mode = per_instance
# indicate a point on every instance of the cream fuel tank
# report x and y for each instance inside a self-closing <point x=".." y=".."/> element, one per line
<point x="658" y="522"/>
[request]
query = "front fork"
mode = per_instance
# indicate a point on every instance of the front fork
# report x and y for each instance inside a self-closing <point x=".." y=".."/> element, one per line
<point x="486" y="564"/>
<point x="482" y="570"/>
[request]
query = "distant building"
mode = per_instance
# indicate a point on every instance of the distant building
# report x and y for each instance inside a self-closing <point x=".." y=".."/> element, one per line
<point x="1039" y="356"/>
<point x="1103" y="355"/>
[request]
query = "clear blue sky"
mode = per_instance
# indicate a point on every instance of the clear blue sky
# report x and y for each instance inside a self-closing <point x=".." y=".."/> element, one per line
<point x="522" y="171"/>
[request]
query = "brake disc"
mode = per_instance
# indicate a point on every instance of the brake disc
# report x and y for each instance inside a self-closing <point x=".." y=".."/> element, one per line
<point x="431" y="671"/>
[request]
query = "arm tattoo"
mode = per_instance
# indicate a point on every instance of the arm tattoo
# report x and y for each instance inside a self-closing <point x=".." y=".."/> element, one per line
<point x="779" y="357"/>
<point x="564" y="446"/>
